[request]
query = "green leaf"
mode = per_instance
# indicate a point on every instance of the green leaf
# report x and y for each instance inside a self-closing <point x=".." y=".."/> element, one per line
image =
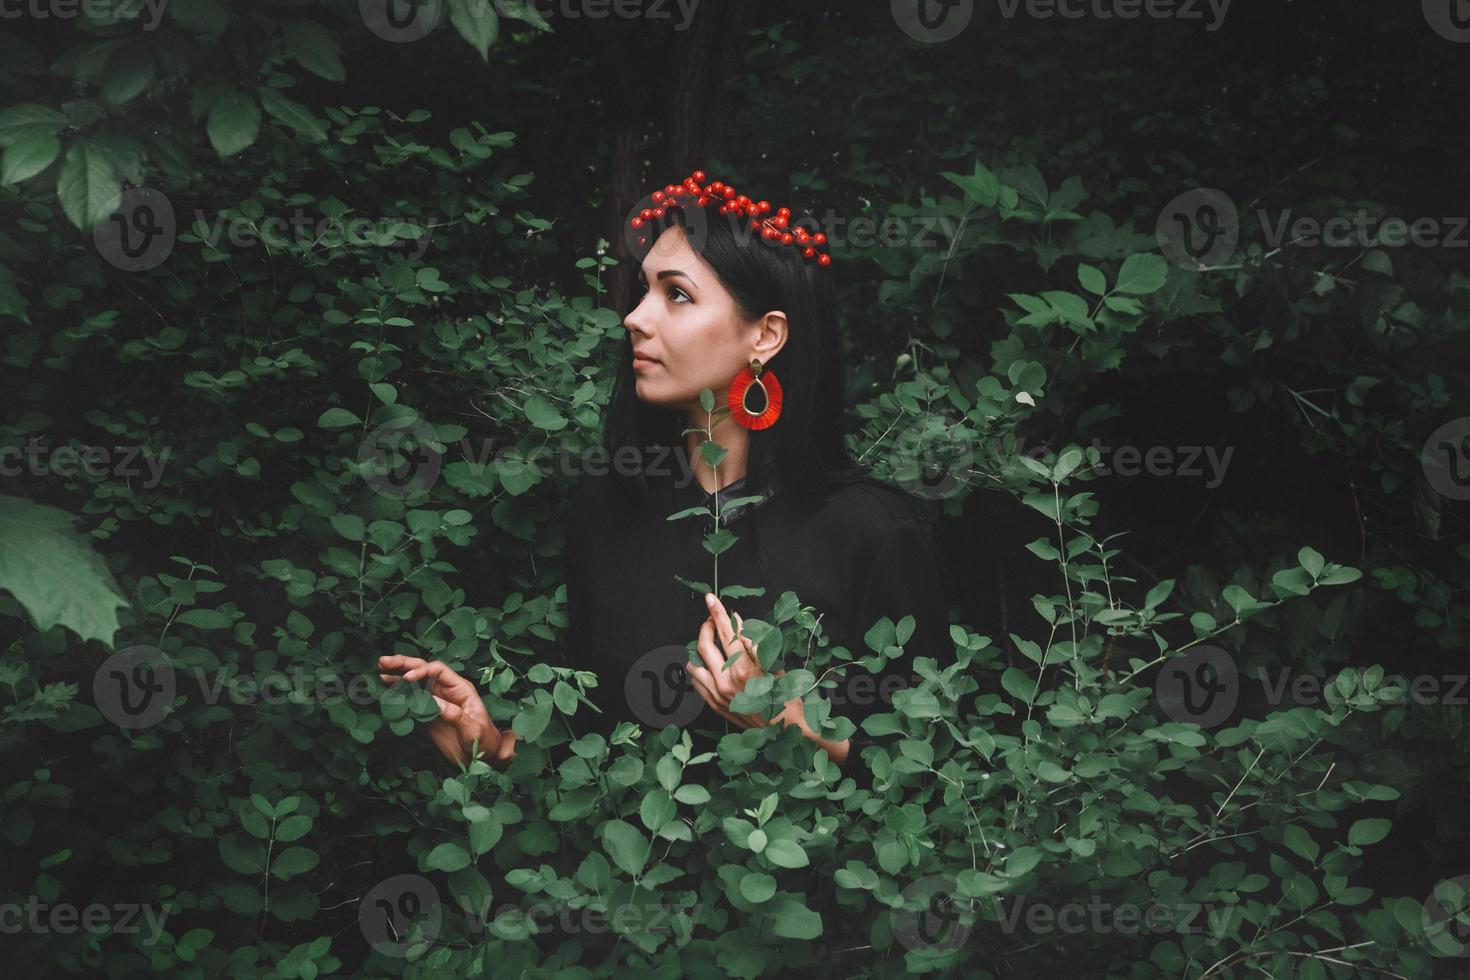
<point x="785" y="854"/>
<point x="626" y="845"/>
<point x="692" y="794"/>
<point x="350" y="526"/>
<point x="1142" y="274"/>
<point x="337" y="418"/>
<point x="791" y="919"/>
<point x="294" y="861"/>
<point x="315" y="48"/>
<point x="1311" y="560"/>
<point x="447" y="857"/>
<point x="1339" y="575"/>
<point x="1237" y="598"/>
<point x="205" y="619"/>
<point x="128" y="74"/>
<point x="28" y="157"/>
<point x="292" y="114"/>
<point x="233" y="123"/>
<point x="1300" y="842"/>
<point x="544" y="415"/>
<point x="1019" y="684"/>
<point x="757" y="887"/>
<point x="1369" y="831"/>
<point x="477" y="23"/>
<point x="87" y="185"/>
<point x="657" y="809"/>
<point x="1022" y="860"/>
<point x="200" y="16"/>
<point x="30" y="119"/>
<point x="54" y="573"/>
<point x="1092" y="279"/>
<point x="293" y="828"/>
<point x="244" y="856"/>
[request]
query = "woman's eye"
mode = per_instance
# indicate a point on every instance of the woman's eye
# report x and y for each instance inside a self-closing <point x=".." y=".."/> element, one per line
<point x="674" y="293"/>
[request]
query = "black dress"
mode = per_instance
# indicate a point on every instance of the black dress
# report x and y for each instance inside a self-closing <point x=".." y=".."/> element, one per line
<point x="856" y="556"/>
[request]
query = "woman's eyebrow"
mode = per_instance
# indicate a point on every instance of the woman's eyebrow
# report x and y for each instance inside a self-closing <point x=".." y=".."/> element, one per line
<point x="666" y="273"/>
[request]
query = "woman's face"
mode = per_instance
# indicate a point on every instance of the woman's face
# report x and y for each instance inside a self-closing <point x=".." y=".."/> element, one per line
<point x="689" y="325"/>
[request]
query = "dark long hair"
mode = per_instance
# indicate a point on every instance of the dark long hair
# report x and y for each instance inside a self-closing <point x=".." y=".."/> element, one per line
<point x="805" y="446"/>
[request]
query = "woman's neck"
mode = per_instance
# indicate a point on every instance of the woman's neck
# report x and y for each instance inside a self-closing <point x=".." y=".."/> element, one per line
<point x="729" y="434"/>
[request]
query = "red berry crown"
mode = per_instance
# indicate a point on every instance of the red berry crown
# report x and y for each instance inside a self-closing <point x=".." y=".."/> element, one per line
<point x="776" y="229"/>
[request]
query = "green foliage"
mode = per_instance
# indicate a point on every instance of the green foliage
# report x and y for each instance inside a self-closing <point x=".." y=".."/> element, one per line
<point x="359" y="436"/>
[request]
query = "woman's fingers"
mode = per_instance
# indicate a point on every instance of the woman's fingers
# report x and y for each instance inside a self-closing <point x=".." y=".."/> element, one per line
<point x="721" y="620"/>
<point x="714" y="660"/>
<point x="732" y="645"/>
<point x="703" y="685"/>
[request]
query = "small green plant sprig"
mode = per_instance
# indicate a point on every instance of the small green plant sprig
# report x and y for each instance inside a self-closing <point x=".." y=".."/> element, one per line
<point x="720" y="539"/>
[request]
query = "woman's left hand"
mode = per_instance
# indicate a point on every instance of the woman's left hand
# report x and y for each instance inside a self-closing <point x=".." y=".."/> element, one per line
<point x="718" y="642"/>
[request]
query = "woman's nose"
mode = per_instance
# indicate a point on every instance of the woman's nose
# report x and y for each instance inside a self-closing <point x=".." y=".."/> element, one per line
<point x="633" y="322"/>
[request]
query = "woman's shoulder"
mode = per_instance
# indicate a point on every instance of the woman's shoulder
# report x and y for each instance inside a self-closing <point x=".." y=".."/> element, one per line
<point x="865" y="507"/>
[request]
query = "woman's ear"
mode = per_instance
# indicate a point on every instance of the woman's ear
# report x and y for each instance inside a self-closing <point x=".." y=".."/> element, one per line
<point x="773" y="331"/>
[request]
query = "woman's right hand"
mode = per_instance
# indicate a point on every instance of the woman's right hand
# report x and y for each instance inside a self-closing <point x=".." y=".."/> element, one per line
<point x="462" y="720"/>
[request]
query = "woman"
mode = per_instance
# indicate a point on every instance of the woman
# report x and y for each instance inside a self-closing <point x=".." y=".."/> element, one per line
<point x="737" y="298"/>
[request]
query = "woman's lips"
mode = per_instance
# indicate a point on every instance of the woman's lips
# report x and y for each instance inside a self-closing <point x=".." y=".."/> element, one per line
<point x="643" y="362"/>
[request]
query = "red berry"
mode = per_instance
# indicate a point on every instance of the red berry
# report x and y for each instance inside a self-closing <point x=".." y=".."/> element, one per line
<point x="825" y="260"/>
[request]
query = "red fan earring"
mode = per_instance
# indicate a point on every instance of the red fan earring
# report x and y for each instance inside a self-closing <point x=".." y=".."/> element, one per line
<point x="755" y="376"/>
